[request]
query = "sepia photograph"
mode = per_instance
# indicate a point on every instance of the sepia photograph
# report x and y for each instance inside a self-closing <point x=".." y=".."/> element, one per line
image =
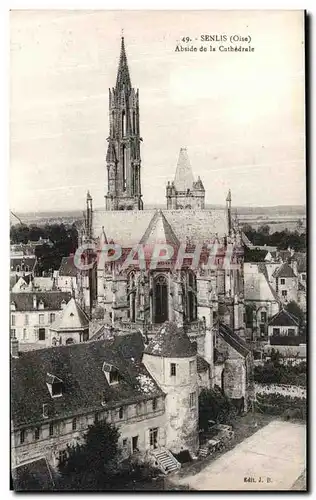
<point x="158" y="250"/>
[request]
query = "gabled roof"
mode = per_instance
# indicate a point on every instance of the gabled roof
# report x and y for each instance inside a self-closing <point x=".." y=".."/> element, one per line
<point x="72" y="317"/>
<point x="85" y="386"/>
<point x="256" y="283"/>
<point x="159" y="231"/>
<point x="183" y="179"/>
<point x="171" y="342"/>
<point x="283" y="318"/>
<point x="67" y="267"/>
<point x="284" y="271"/>
<point x="232" y="339"/>
<point x="52" y="300"/>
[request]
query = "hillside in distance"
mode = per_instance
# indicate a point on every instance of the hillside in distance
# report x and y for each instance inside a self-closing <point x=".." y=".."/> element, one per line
<point x="256" y="215"/>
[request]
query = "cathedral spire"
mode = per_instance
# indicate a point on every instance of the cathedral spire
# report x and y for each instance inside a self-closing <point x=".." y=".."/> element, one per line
<point x="123" y="79"/>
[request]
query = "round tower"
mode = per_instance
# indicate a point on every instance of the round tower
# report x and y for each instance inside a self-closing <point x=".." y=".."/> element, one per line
<point x="172" y="360"/>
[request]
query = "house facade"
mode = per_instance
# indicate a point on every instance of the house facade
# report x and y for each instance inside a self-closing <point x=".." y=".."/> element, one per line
<point x="283" y="329"/>
<point x="32" y="314"/>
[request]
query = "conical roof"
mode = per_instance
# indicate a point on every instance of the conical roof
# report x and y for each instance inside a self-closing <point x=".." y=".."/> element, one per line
<point x="123" y="78"/>
<point x="184" y="177"/>
<point x="71" y="318"/>
<point x="159" y="231"/>
<point x="171" y="342"/>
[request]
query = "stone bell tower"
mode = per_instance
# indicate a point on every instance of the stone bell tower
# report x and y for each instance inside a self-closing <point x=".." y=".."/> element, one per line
<point x="123" y="154"/>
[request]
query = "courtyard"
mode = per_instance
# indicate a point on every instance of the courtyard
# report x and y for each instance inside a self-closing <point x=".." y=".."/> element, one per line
<point x="273" y="458"/>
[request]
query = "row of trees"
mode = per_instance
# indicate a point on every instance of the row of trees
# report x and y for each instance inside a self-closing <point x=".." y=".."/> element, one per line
<point x="275" y="372"/>
<point x="280" y="239"/>
<point x="64" y="239"/>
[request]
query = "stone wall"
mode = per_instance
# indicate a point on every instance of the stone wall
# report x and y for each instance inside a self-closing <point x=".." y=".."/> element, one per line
<point x="181" y="417"/>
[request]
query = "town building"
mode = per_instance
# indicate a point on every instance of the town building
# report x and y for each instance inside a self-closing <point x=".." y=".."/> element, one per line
<point x="149" y="390"/>
<point x="261" y="300"/>
<point x="69" y="279"/>
<point x="283" y="329"/>
<point x="286" y="283"/>
<point x="71" y="326"/>
<point x="28" y="283"/>
<point x="32" y="314"/>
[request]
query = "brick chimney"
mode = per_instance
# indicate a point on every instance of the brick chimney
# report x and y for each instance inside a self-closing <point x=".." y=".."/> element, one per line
<point x="14" y="347"/>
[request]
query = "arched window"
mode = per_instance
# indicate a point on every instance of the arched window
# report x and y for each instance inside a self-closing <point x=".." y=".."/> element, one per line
<point x="70" y="341"/>
<point x="17" y="269"/>
<point x="191" y="297"/>
<point x="160" y="299"/>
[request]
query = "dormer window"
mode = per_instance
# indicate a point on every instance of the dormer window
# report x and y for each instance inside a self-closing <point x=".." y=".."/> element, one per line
<point x="55" y="385"/>
<point x="12" y="306"/>
<point x="111" y="373"/>
<point x="41" y="304"/>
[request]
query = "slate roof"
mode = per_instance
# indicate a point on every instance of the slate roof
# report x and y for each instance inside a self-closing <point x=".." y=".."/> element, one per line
<point x="283" y="318"/>
<point x="202" y="364"/>
<point x="33" y="476"/>
<point x="26" y="260"/>
<point x="52" y="300"/>
<point x="183" y="179"/>
<point x="71" y="318"/>
<point x="232" y="339"/>
<point x="171" y="342"/>
<point x="284" y="271"/>
<point x="67" y="267"/>
<point x="79" y="366"/>
<point x="126" y="228"/>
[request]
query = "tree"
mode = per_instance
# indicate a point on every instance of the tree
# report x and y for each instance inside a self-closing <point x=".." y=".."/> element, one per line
<point x="293" y="308"/>
<point x="92" y="464"/>
<point x="214" y="405"/>
<point x="264" y="229"/>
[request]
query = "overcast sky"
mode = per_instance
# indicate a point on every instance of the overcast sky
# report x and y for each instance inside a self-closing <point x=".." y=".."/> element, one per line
<point x="241" y="115"/>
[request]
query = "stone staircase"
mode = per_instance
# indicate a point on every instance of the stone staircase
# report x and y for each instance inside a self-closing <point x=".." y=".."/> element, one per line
<point x="204" y="451"/>
<point x="165" y="461"/>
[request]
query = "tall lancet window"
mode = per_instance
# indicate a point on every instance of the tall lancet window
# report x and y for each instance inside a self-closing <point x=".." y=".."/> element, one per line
<point x="113" y="123"/>
<point x="134" y="122"/>
<point x="191" y="297"/>
<point x="124" y="167"/>
<point x="131" y="290"/>
<point x="160" y="297"/>
<point x="123" y="123"/>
